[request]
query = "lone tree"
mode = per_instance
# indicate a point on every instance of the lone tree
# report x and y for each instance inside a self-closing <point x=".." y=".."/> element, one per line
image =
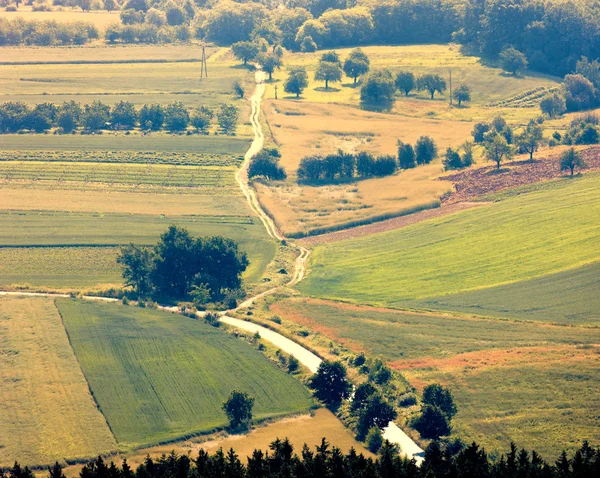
<point x="405" y="81"/>
<point x="432" y="83"/>
<point x="330" y="384"/>
<point x="245" y="51"/>
<point x="238" y="88"/>
<point x="297" y="81"/>
<point x="238" y="409"/>
<point x="462" y="93"/>
<point x="269" y="62"/>
<point x="529" y="141"/>
<point x="425" y="150"/>
<point x="513" y="61"/>
<point x="553" y="104"/>
<point x="571" y="159"/>
<point x="497" y="149"/>
<point x="357" y="64"/>
<point x="328" y="71"/>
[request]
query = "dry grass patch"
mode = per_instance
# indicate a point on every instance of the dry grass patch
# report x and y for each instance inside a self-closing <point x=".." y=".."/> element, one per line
<point x="100" y="19"/>
<point x="46" y="410"/>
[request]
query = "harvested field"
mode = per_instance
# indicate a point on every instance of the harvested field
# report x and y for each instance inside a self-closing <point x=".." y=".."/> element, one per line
<point x="100" y="19"/>
<point x="46" y="410"/>
<point x="476" y="183"/>
<point x="159" y="376"/>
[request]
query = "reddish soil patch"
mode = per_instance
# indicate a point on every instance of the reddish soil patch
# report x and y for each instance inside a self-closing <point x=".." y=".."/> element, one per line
<point x="387" y="225"/>
<point x="475" y="183"/>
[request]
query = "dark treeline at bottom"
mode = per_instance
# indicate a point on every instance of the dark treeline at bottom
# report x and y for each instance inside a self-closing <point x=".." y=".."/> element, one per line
<point x="280" y="461"/>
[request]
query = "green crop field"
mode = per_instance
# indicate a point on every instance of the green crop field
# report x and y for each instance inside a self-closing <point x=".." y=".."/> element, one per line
<point x="537" y="385"/>
<point x="46" y="410"/>
<point x="63" y="265"/>
<point x="158" y="376"/>
<point x="569" y="297"/>
<point x="520" y="238"/>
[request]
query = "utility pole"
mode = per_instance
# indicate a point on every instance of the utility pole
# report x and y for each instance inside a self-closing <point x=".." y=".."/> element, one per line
<point x="203" y="66"/>
<point x="450" y="88"/>
<point x="276" y="87"/>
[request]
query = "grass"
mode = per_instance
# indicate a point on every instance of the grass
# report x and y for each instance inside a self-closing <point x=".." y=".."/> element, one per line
<point x="513" y="240"/>
<point x="533" y="384"/>
<point x="158" y="376"/>
<point x="46" y="410"/>
<point x="100" y="19"/>
<point x="568" y="298"/>
<point x="62" y="264"/>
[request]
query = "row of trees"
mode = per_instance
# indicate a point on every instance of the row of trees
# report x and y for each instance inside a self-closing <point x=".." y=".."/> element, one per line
<point x="327" y="461"/>
<point x="18" y="116"/>
<point x="45" y="33"/>
<point x="345" y="166"/>
<point x="181" y="267"/>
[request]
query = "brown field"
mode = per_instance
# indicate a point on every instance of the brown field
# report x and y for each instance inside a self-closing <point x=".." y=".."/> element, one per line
<point x="302" y="429"/>
<point x="46" y="410"/>
<point x="100" y="19"/>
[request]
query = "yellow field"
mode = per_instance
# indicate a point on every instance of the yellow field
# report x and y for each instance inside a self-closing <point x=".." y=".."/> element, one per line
<point x="46" y="410"/>
<point x="100" y="19"/>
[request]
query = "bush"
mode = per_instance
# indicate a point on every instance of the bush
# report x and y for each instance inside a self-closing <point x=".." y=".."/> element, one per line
<point x="407" y="400"/>
<point x="266" y="165"/>
<point x="431" y="423"/>
<point x="378" y="88"/>
<point x="425" y="150"/>
<point x="374" y="439"/>
<point x="212" y="319"/>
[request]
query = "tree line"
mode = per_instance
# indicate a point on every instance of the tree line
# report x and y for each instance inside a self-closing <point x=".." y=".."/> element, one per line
<point x="69" y="116"/>
<point x="343" y="166"/>
<point x="281" y="460"/>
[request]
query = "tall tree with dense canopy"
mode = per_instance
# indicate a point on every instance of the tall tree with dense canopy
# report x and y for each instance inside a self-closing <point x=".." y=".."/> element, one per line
<point x="356" y="65"/>
<point x="245" y="51"/>
<point x="497" y="150"/>
<point x="513" y="61"/>
<point x="238" y="409"/>
<point x="330" y="384"/>
<point x="571" y="159"/>
<point x="296" y="81"/>
<point x="431" y="83"/>
<point x="269" y="63"/>
<point x="405" y="82"/>
<point x="328" y="71"/>
<point x="378" y="88"/>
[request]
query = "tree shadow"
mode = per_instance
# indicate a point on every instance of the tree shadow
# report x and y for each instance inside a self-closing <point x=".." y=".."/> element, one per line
<point x="248" y="67"/>
<point x="381" y="107"/>
<point x="352" y="84"/>
<point x="327" y="90"/>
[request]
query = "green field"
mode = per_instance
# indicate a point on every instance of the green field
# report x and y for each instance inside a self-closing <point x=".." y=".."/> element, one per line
<point x="520" y="238"/>
<point x="158" y="376"/>
<point x="536" y="385"/>
<point x="62" y="265"/>
<point x="46" y="410"/>
<point x="569" y="297"/>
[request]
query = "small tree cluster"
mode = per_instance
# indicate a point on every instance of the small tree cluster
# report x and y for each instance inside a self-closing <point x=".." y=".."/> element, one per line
<point x="453" y="159"/>
<point x="183" y="267"/>
<point x="437" y="411"/>
<point x="406" y="82"/>
<point x="424" y="151"/>
<point x="238" y="408"/>
<point x="131" y="31"/>
<point x="485" y="131"/>
<point x="584" y="129"/>
<point x="345" y="166"/>
<point x="266" y="164"/>
<point x="97" y="116"/>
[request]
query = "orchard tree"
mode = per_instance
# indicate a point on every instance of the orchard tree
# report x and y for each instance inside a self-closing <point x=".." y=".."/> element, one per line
<point x="513" y="61"/>
<point x="529" y="140"/>
<point x="357" y="64"/>
<point x="245" y="51"/>
<point x="330" y="384"/>
<point x="378" y="88"/>
<point x="331" y="57"/>
<point x="238" y="409"/>
<point x="176" y="116"/>
<point x="571" y="159"/>
<point x="497" y="150"/>
<point x="405" y="82"/>
<point x="553" y="104"/>
<point x="425" y="150"/>
<point x="432" y="84"/>
<point x="269" y="63"/>
<point x="297" y="81"/>
<point x="328" y="71"/>
<point x="462" y="93"/>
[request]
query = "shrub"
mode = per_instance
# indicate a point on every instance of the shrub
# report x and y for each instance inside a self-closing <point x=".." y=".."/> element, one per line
<point x="374" y="439"/>
<point x="431" y="422"/>
<point x="212" y="319"/>
<point x="308" y="45"/>
<point x="266" y="165"/>
<point x="407" y="400"/>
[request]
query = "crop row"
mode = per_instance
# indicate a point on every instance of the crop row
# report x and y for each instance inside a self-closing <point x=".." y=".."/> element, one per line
<point x="135" y="157"/>
<point x="156" y="175"/>
<point x="528" y="99"/>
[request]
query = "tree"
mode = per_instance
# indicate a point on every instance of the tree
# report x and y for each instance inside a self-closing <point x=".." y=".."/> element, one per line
<point x="571" y="159"/>
<point x="378" y="88"/>
<point x="438" y="396"/>
<point x="513" y="61"/>
<point x="238" y="409"/>
<point x="56" y="471"/>
<point x="330" y="384"/>
<point x="109" y="5"/>
<point x="553" y="104"/>
<point x="85" y="5"/>
<point x="238" y="88"/>
<point x="308" y="45"/>
<point x="452" y="160"/>
<point x="432" y="422"/>
<point x="123" y="115"/>
<point x="462" y="93"/>
<point x="175" y="15"/>
<point x="376" y="412"/>
<point x="357" y="64"/>
<point x="152" y="117"/>
<point x="201" y="119"/>
<point x="297" y="81"/>
<point x="497" y="149"/>
<point x="227" y="116"/>
<point x="406" y="156"/>
<point x="245" y="51"/>
<point x="269" y="63"/>
<point x="405" y="81"/>
<point x="266" y="165"/>
<point x="177" y="117"/>
<point x="66" y="122"/>
<point x="328" y="71"/>
<point x="138" y="5"/>
<point x="137" y="268"/>
<point x="479" y="131"/>
<point x="580" y="93"/>
<point x="331" y="57"/>
<point x="96" y="116"/>
<point x="374" y="439"/>
<point x="425" y="150"/>
<point x="361" y="395"/>
<point x="530" y="139"/>
<point x="432" y="84"/>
